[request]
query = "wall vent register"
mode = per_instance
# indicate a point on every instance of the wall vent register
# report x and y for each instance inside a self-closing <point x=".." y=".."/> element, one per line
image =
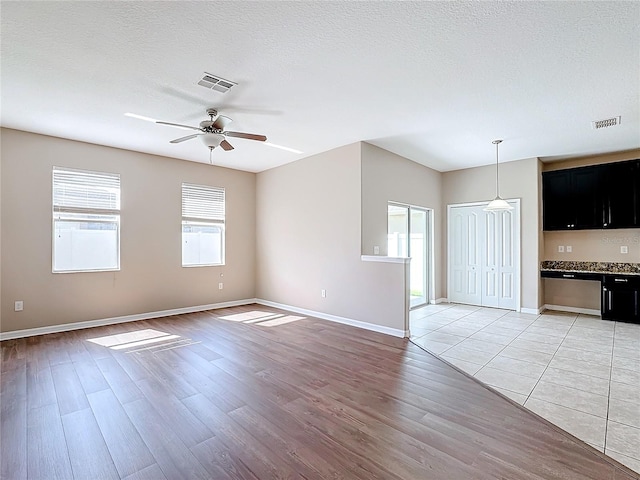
<point x="607" y="122"/>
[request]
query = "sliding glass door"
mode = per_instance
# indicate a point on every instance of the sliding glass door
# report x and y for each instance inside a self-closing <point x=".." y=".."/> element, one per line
<point x="408" y="236"/>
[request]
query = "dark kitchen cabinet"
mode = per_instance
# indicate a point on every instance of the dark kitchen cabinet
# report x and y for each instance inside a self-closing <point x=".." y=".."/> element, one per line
<point x="622" y="207"/>
<point x="557" y="205"/>
<point x="588" y="201"/>
<point x="621" y="298"/>
<point x="593" y="197"/>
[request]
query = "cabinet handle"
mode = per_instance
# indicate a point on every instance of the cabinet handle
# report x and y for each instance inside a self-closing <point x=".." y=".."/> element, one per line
<point x="620" y="280"/>
<point x="566" y="275"/>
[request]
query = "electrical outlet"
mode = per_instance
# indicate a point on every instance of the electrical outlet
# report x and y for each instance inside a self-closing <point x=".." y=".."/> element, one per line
<point x="376" y="250"/>
<point x="561" y="248"/>
<point x="19" y="306"/>
<point x="569" y="249"/>
<point x="323" y="292"/>
<point x="624" y="249"/>
<point x="220" y="285"/>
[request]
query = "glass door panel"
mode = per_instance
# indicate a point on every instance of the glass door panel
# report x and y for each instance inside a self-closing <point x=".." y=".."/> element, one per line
<point x="418" y="252"/>
<point x="408" y="236"/>
<point x="398" y="231"/>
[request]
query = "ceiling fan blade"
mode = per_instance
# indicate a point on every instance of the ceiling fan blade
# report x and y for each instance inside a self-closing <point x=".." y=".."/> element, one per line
<point x="179" y="125"/>
<point x="226" y="145"/>
<point x="221" y="122"/>
<point x="248" y="136"/>
<point x="188" y="137"/>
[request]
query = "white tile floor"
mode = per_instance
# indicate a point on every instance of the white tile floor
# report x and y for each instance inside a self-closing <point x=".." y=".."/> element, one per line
<point x="577" y="371"/>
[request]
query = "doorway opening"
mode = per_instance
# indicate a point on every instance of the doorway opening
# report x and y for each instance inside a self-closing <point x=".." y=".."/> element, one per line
<point x="409" y="234"/>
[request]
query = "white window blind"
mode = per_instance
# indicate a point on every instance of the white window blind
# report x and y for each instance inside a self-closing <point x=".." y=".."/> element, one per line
<point x="200" y="202"/>
<point x="203" y="229"/>
<point x="86" y="221"/>
<point x="78" y="190"/>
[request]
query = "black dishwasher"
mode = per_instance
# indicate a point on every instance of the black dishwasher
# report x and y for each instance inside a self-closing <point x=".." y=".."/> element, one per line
<point x="621" y="298"/>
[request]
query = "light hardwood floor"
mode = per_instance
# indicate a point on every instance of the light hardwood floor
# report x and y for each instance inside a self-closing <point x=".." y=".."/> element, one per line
<point x="258" y="393"/>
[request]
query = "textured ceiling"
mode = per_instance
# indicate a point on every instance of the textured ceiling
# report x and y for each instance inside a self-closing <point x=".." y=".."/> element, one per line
<point x="432" y="81"/>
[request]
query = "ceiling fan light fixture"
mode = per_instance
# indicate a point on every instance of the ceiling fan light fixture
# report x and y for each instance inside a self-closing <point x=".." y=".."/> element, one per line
<point x="498" y="204"/>
<point x="212" y="140"/>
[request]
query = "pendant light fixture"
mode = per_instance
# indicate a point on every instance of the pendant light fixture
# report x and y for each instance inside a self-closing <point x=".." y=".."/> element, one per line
<point x="498" y="204"/>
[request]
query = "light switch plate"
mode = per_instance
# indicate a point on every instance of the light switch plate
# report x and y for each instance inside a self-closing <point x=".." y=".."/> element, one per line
<point x="624" y="249"/>
<point x="569" y="249"/>
<point x="561" y="248"/>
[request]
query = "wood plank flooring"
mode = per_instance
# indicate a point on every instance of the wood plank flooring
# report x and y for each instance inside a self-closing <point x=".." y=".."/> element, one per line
<point x="258" y="393"/>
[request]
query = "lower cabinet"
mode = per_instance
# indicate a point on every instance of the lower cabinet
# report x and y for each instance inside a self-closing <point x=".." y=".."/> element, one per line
<point x="621" y="298"/>
<point x="620" y="293"/>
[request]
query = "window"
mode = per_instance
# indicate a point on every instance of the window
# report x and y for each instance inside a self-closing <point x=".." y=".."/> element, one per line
<point x="202" y="225"/>
<point x="86" y="220"/>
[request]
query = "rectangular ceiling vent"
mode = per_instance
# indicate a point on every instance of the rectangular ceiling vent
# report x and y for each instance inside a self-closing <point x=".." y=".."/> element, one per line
<point x="607" y="122"/>
<point x="216" y="83"/>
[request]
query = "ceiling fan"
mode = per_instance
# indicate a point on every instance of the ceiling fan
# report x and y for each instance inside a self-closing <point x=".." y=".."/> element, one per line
<point x="212" y="132"/>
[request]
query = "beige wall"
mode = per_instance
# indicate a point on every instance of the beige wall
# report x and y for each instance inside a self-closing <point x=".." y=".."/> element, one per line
<point x="292" y="231"/>
<point x="518" y="179"/>
<point x="594" y="245"/>
<point x="151" y="276"/>
<point x="580" y="294"/>
<point x="308" y="223"/>
<point x="387" y="177"/>
<point x="587" y="245"/>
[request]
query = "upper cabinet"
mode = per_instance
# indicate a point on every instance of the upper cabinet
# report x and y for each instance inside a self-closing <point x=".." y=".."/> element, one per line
<point x="622" y="202"/>
<point x="593" y="197"/>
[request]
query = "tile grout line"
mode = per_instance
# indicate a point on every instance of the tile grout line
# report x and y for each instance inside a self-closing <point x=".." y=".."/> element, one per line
<point x="552" y="357"/>
<point x="606" y="423"/>
<point x="498" y="353"/>
<point x="452" y="321"/>
<point x="469" y="336"/>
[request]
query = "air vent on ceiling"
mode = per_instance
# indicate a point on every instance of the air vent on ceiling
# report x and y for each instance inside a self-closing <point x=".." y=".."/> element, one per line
<point x="216" y="83"/>
<point x="607" y="122"/>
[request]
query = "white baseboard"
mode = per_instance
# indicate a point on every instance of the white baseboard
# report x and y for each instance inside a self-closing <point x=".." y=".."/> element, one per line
<point x="30" y="332"/>
<point x="562" y="308"/>
<point x="532" y="311"/>
<point x="440" y="300"/>
<point x="335" y="318"/>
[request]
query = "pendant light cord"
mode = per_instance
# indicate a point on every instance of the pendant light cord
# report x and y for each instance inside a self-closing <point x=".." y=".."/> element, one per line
<point x="497" y="142"/>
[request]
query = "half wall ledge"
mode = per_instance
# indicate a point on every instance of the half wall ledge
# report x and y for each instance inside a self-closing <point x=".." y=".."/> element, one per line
<point x="383" y="259"/>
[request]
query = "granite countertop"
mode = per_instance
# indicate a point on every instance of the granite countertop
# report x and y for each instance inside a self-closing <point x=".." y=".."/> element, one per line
<point x="591" y="267"/>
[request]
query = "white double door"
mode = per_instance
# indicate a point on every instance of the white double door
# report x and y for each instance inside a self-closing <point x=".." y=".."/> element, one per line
<point x="484" y="256"/>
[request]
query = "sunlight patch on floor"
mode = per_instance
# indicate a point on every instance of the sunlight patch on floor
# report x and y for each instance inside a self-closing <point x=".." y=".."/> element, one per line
<point x="263" y="319"/>
<point x="284" y="319"/>
<point x="247" y="316"/>
<point x="136" y="338"/>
